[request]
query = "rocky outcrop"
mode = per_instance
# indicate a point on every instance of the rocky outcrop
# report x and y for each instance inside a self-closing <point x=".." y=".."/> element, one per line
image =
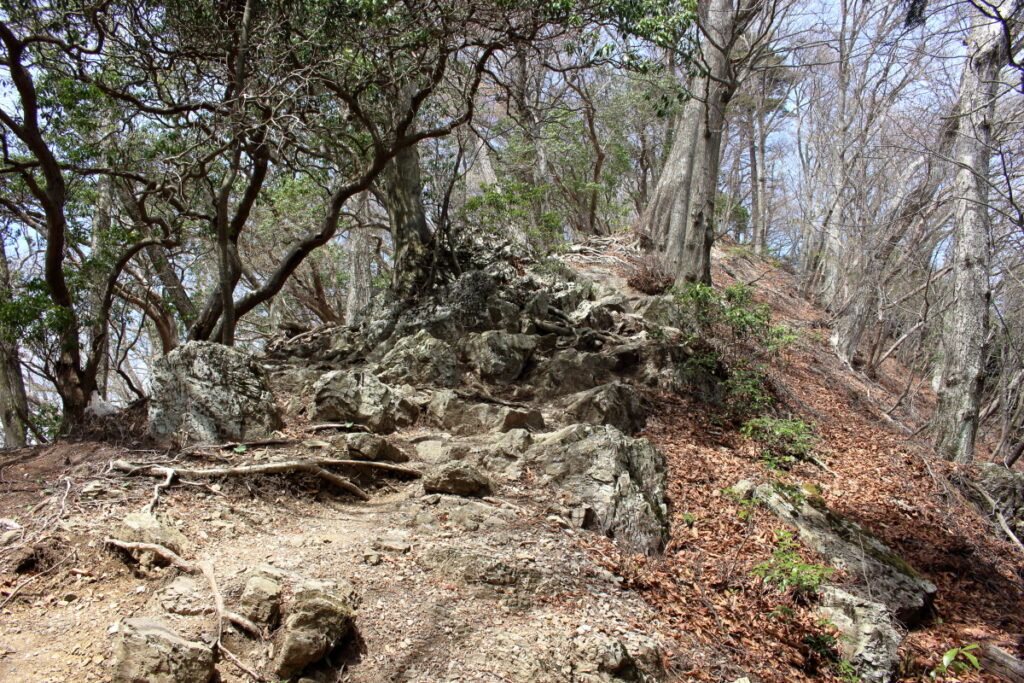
<point x="363" y="446"/>
<point x="882" y="575"/>
<point x="567" y="372"/>
<point x="498" y="356"/>
<point x="421" y="360"/>
<point x="149" y="651"/>
<point x="319" y="618"/>
<point x="459" y="416"/>
<point x="868" y="638"/>
<point x="361" y="398"/>
<point x="210" y="392"/>
<point x="619" y="482"/>
<point x="615" y="404"/>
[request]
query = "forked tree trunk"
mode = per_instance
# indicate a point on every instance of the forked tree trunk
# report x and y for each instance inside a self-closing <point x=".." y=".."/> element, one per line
<point x="680" y="215"/>
<point x="956" y="415"/>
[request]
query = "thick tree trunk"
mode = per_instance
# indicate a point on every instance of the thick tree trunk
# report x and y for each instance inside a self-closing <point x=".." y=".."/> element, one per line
<point x="403" y="187"/>
<point x="13" y="398"/>
<point x="956" y="415"/>
<point x="680" y="216"/>
<point x="360" y="261"/>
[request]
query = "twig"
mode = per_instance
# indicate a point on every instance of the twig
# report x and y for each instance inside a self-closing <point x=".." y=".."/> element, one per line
<point x="218" y="600"/>
<point x="237" y="662"/>
<point x="166" y="553"/>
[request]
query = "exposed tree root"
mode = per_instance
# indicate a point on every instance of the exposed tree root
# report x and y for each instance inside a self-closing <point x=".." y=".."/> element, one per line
<point x="172" y="557"/>
<point x="315" y="466"/>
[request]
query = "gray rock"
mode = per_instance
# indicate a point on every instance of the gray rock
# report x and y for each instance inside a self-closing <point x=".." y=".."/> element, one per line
<point x="317" y="621"/>
<point x="420" y="360"/>
<point x="144" y="527"/>
<point x="148" y="651"/>
<point x="458" y="479"/>
<point x="869" y="639"/>
<point x="210" y="392"/>
<point x="184" y="596"/>
<point x="437" y="452"/>
<point x="363" y="399"/>
<point x="882" y="575"/>
<point x="260" y="601"/>
<point x="568" y="372"/>
<point x="498" y="356"/>
<point x="620" y="480"/>
<point x="363" y="446"/>
<point x="460" y="416"/>
<point x="614" y="404"/>
<point x="476" y="568"/>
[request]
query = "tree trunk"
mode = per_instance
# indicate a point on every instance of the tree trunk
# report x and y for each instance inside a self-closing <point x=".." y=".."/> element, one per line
<point x="403" y="187"/>
<point x="956" y="415"/>
<point x="680" y="216"/>
<point x="360" y="260"/>
<point x="13" y="399"/>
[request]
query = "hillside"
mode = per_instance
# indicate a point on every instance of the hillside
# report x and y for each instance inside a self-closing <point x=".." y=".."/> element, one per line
<point x="512" y="528"/>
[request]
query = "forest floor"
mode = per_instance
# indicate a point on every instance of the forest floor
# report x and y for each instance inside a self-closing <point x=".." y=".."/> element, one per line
<point x="62" y="591"/>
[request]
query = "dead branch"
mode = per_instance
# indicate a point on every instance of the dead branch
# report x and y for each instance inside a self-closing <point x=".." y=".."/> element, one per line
<point x="158" y="488"/>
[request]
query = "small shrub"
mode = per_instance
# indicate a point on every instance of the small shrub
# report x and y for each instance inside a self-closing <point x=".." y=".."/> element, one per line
<point x="957" y="660"/>
<point x="785" y="441"/>
<point x="788" y="571"/>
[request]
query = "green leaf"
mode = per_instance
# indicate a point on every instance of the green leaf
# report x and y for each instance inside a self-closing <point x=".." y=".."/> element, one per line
<point x="950" y="655"/>
<point x="240" y="448"/>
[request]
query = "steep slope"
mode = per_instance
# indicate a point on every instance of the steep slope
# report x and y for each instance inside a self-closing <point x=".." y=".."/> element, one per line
<point x="535" y="545"/>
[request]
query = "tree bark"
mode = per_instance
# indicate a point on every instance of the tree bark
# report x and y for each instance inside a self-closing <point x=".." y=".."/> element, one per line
<point x="680" y="215"/>
<point x="956" y="415"/>
<point x="13" y="398"/>
<point x="403" y="188"/>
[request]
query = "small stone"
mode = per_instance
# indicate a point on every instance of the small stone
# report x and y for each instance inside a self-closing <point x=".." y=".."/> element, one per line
<point x="260" y="599"/>
<point x="148" y="650"/>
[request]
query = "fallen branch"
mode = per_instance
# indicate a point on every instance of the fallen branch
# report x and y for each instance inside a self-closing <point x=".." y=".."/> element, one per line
<point x="999" y="662"/>
<point x="172" y="557"/>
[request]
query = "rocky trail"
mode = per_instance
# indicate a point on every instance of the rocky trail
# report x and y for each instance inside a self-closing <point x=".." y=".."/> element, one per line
<point x="520" y="480"/>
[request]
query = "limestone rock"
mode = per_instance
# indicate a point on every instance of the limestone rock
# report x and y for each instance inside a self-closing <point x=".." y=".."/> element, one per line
<point x="498" y="356"/>
<point x="567" y="372"/>
<point x="148" y="651"/>
<point x="883" y="575"/>
<point x="615" y="404"/>
<point x="211" y="392"/>
<point x="420" y="360"/>
<point x="361" y="398"/>
<point x="869" y="639"/>
<point x="363" y="446"/>
<point x="144" y="527"/>
<point x="459" y="416"/>
<point x="317" y="621"/>
<point x="457" y="478"/>
<point x="619" y="480"/>
<point x="260" y="601"/>
<point x="185" y="596"/>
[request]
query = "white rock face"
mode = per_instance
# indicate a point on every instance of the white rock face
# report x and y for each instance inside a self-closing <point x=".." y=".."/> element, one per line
<point x="210" y="392"/>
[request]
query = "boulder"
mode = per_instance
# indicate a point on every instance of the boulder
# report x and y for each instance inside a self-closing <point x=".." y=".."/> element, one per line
<point x="883" y="576"/>
<point x="361" y="398"/>
<point x="420" y="360"/>
<point x="319" y="618"/>
<point x="567" y="372"/>
<point x="210" y="392"/>
<point x="868" y="638"/>
<point x="148" y="651"/>
<point x="614" y="404"/>
<point x="457" y="478"/>
<point x="498" y="356"/>
<point x="620" y="481"/>
<point x="144" y="527"/>
<point x="363" y="446"/>
<point x="460" y="416"/>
